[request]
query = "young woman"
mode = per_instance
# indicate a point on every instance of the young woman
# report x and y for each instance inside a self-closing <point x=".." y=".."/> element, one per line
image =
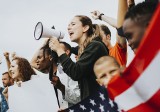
<point x="81" y="31"/>
<point x="21" y="71"/>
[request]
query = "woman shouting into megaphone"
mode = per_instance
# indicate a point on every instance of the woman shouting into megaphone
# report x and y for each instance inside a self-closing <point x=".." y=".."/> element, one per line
<point x="91" y="48"/>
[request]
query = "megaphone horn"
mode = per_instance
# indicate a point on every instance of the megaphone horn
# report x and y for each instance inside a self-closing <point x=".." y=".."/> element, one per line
<point x="42" y="32"/>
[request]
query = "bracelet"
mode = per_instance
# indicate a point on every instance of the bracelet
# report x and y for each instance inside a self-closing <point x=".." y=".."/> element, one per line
<point x="100" y="16"/>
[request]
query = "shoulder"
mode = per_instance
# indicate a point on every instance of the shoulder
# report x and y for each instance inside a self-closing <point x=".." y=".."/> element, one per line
<point x="118" y="46"/>
<point x="95" y="43"/>
<point x="96" y="46"/>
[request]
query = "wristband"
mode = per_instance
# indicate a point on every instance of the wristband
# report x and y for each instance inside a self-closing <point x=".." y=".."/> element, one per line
<point x="100" y="16"/>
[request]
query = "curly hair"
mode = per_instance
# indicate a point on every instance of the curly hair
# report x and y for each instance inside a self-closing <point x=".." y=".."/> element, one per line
<point x="25" y="69"/>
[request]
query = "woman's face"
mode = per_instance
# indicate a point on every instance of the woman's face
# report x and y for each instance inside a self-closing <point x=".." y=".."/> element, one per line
<point x="75" y="29"/>
<point x="14" y="69"/>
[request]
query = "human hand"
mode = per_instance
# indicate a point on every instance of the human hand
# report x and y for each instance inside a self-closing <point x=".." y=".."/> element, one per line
<point x="5" y="93"/>
<point x="6" y="55"/>
<point x="130" y="2"/>
<point x="19" y="83"/>
<point x="13" y="55"/>
<point x="95" y="14"/>
<point x="57" y="83"/>
<point x="54" y="44"/>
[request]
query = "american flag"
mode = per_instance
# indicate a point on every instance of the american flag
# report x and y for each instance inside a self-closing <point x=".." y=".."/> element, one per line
<point x="139" y="86"/>
<point x="98" y="102"/>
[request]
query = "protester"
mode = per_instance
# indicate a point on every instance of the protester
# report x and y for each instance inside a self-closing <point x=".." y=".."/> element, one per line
<point x="6" y="55"/>
<point x="105" y="69"/>
<point x="136" y="21"/>
<point x="81" y="31"/>
<point x="68" y="90"/>
<point x="21" y="71"/>
<point x="119" y="50"/>
<point x="7" y="81"/>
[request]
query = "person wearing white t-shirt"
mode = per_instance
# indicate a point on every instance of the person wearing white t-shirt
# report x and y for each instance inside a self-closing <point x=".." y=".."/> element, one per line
<point x="45" y="60"/>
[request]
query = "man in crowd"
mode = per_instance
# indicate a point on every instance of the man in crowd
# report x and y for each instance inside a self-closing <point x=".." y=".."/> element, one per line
<point x="136" y="22"/>
<point x="119" y="50"/>
<point x="46" y="61"/>
<point x="7" y="81"/>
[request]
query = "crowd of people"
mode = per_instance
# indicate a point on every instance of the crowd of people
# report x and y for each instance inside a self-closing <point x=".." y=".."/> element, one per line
<point x="97" y="61"/>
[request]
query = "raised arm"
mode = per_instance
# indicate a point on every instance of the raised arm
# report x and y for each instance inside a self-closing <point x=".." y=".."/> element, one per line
<point x="122" y="8"/>
<point x="34" y="58"/>
<point x="6" y="55"/>
<point x="98" y="15"/>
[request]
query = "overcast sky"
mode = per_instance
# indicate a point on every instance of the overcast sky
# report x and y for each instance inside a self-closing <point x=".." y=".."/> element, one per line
<point x="19" y="17"/>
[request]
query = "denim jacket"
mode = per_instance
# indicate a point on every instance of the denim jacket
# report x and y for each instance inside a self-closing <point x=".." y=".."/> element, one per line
<point x="4" y="104"/>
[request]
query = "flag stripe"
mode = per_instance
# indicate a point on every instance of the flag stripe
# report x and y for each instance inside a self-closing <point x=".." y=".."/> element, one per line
<point x="119" y="84"/>
<point x="149" y="84"/>
<point x="154" y="102"/>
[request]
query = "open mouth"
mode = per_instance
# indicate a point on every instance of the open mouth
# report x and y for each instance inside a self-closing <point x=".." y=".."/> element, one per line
<point x="38" y="66"/>
<point x="71" y="33"/>
<point x="12" y="72"/>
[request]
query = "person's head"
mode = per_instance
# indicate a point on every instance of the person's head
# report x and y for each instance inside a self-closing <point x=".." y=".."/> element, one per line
<point x="80" y="26"/>
<point x="21" y="69"/>
<point x="6" y="79"/>
<point x="45" y="58"/>
<point x="66" y="47"/>
<point x="81" y="31"/>
<point x="136" y="21"/>
<point x="105" y="68"/>
<point x="105" y="34"/>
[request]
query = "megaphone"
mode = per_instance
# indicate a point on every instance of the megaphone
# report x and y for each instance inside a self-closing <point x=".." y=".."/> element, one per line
<point x="42" y="32"/>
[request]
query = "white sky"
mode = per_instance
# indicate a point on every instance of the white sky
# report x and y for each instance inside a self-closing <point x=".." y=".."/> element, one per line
<point x="19" y="17"/>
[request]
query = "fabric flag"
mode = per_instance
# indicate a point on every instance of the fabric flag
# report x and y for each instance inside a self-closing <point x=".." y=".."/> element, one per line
<point x="138" y="89"/>
<point x="98" y="102"/>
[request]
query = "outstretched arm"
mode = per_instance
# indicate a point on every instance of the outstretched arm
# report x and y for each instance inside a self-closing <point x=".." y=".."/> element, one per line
<point x="98" y="15"/>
